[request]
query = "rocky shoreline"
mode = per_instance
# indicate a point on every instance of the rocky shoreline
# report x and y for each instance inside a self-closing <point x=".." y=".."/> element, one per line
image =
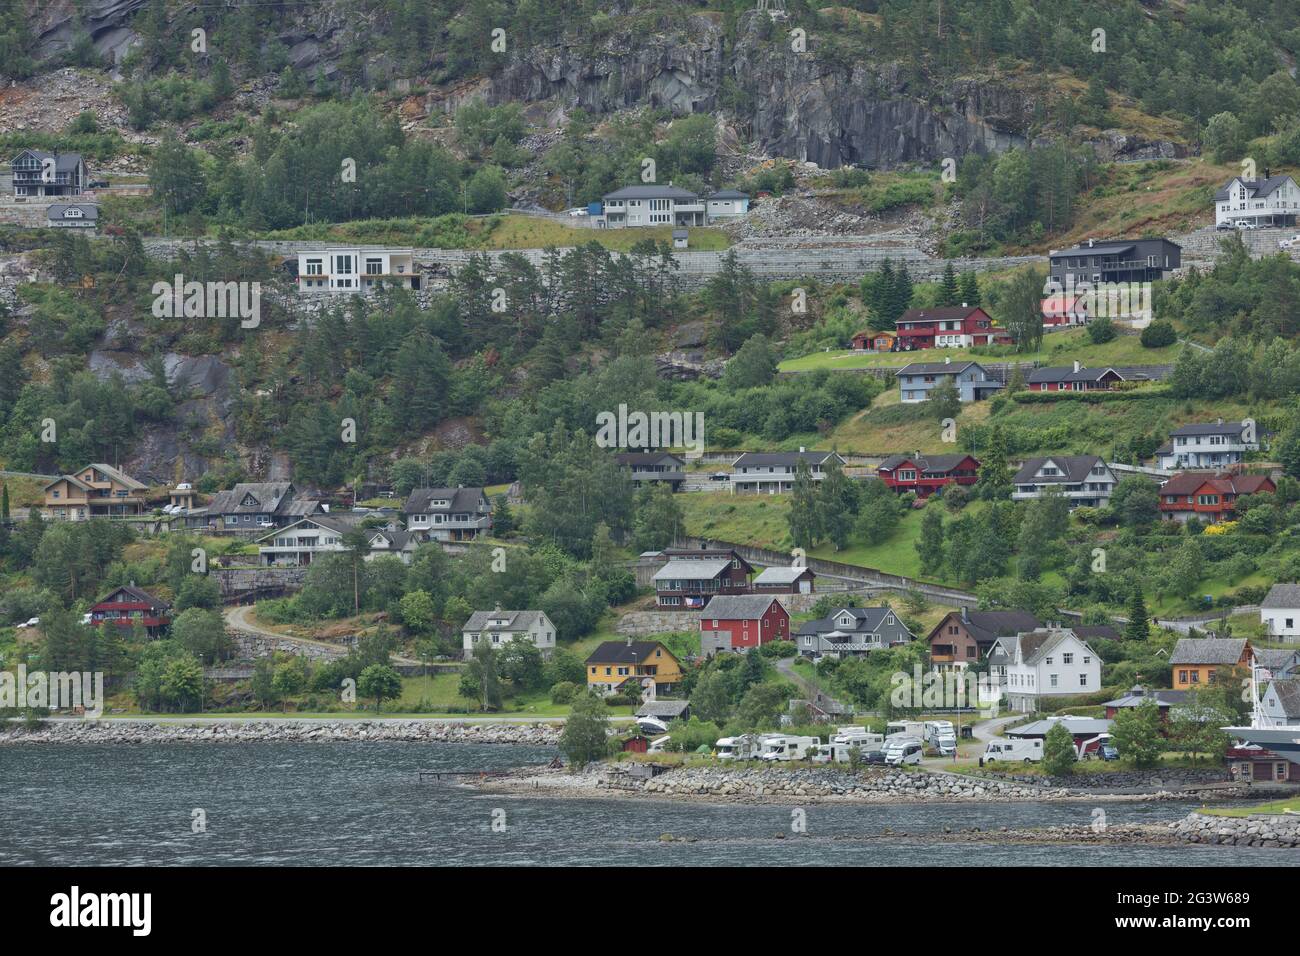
<point x="1258" y="830"/>
<point x="215" y="730"/>
<point x="800" y="786"/>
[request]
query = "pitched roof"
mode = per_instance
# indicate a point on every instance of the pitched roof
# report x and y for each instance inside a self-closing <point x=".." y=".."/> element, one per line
<point x="1275" y="660"/>
<point x="1074" y="468"/>
<point x="1282" y="596"/>
<point x="1256" y="188"/>
<point x="1067" y="373"/>
<point x="1098" y="249"/>
<point x="56" y="209"/>
<point x="987" y="626"/>
<point x="624" y="652"/>
<point x="786" y="458"/>
<point x="1208" y="428"/>
<point x="650" y="192"/>
<point x="728" y="194"/>
<point x="1188" y="482"/>
<point x="459" y="499"/>
<point x="663" y="708"/>
<point x="515" y="620"/>
<point x="1091" y="631"/>
<point x="734" y="607"/>
<point x="1208" y="650"/>
<point x="948" y="313"/>
<point x="1079" y="726"/>
<point x="120" y="477"/>
<point x="935" y="368"/>
<point x="929" y="464"/>
<point x="63" y="162"/>
<point x="1288" y="695"/>
<point x="270" y="496"/>
<point x="866" y="619"/>
<point x="692" y="569"/>
<point x="137" y="596"/>
<point x="1163" y="698"/>
<point x="780" y="575"/>
<point x="646" y="457"/>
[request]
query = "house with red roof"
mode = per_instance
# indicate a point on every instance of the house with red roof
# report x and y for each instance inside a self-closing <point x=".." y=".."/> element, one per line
<point x="1211" y="498"/>
<point x="951" y="327"/>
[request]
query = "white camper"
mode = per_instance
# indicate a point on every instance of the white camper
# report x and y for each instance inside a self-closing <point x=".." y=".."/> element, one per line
<point x="1006" y="749"/>
<point x="780" y="747"/>
<point x="903" y="749"/>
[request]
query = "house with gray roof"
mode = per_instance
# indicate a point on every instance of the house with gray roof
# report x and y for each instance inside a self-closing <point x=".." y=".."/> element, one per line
<point x="255" y="507"/>
<point x="82" y="216"/>
<point x="851" y="632"/>
<point x="791" y="580"/>
<point x="38" y="174"/>
<point x="742" y="622"/>
<point x="448" y="514"/>
<point x="653" y="467"/>
<point x="1270" y="201"/>
<point x="1032" y="667"/>
<point x="917" y="380"/>
<point x="1085" y="480"/>
<point x="498" y="628"/>
<point x="1280" y="612"/>
<point x="1279" y="704"/>
<point x="1207" y="445"/>
<point x="1138" y="695"/>
<point x="296" y="544"/>
<point x="648" y="204"/>
<point x="774" y="472"/>
<point x="1118" y="261"/>
<point x="727" y="204"/>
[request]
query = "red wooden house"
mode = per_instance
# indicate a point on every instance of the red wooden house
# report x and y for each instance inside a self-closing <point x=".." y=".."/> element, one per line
<point x="925" y="474"/>
<point x="691" y="577"/>
<point x="954" y="327"/>
<point x="1211" y="498"/>
<point x="741" y="621"/>
<point x="128" y="605"/>
<point x="872" y="341"/>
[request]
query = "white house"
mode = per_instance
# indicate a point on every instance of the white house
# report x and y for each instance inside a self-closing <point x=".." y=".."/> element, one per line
<point x="651" y="205"/>
<point x="1280" y="703"/>
<point x="1043" y="663"/>
<point x="1211" y="445"/>
<point x="1280" y="612"/>
<point x="1271" y="201"/>
<point x="1085" y="480"/>
<point x="498" y="628"/>
<point x="727" y="204"/>
<point x="297" y="544"/>
<point x="774" y="472"/>
<point x="447" y="514"/>
<point x="356" y="270"/>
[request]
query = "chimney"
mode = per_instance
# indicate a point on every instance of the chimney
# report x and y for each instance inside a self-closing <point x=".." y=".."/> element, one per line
<point x="1091" y="243"/>
<point x="1219" y="421"/>
<point x="947" y="360"/>
<point x="1076" y="365"/>
<point x="629" y="640"/>
<point x="965" y="617"/>
<point x="965" y="306"/>
<point x="802" y="449"/>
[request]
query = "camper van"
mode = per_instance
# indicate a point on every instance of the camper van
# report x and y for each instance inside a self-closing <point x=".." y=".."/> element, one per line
<point x="744" y="747"/>
<point x="1003" y="748"/>
<point x="780" y="747"/>
<point x="913" y="728"/>
<point x="859" y="737"/>
<point x="942" y="736"/>
<point x="831" y="753"/>
<point x="903" y="749"/>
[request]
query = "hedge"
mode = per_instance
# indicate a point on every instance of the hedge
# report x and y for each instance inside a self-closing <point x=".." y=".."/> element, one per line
<point x="1092" y="398"/>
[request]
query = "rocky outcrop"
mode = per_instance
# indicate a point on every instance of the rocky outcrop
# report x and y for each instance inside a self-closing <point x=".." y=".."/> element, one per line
<point x="1262" y="830"/>
<point x="276" y="731"/>
<point x="1163" y="779"/>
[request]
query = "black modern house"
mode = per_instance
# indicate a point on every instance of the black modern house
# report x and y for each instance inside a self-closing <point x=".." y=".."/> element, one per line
<point x="1123" y="260"/>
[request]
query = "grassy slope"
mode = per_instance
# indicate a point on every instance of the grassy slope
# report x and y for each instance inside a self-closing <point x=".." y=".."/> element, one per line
<point x="1059" y="348"/>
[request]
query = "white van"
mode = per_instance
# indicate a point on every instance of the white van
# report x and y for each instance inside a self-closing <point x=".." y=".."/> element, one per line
<point x="903" y="750"/>
<point x="942" y="736"/>
<point x="779" y="747"/>
<point x="1004" y="748"/>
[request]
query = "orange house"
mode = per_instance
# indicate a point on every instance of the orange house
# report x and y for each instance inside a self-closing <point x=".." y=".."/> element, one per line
<point x="1196" y="662"/>
<point x="614" y="663"/>
<point x="1211" y="498"/>
<point x="870" y="341"/>
<point x="95" y="491"/>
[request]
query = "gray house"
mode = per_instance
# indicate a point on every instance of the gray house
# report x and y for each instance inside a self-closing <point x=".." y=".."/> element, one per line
<point x="38" y="174"/>
<point x="651" y="467"/>
<point x="498" y="628"/>
<point x="1084" y="480"/>
<point x="917" y="380"/>
<point x="851" y="632"/>
<point x="447" y="514"/>
<point x="67" y="215"/>
<point x="1131" y="260"/>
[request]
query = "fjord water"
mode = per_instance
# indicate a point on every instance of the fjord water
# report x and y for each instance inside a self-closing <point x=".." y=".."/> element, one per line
<point x="361" y="804"/>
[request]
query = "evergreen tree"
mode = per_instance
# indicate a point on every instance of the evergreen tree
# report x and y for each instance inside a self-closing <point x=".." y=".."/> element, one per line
<point x="970" y="289"/>
<point x="837" y="501"/>
<point x="994" y="482"/>
<point x="930" y="544"/>
<point x="804" y="517"/>
<point x="949" y="292"/>
<point x="1138" y="627"/>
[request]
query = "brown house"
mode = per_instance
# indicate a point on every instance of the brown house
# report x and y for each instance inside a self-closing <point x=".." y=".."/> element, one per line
<point x="691" y="577"/>
<point x="95" y="491"/>
<point x="963" y="637"/>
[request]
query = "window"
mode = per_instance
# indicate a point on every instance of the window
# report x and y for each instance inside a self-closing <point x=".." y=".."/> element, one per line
<point x="1182" y="677"/>
<point x="1083" y="680"/>
<point x="1054" y="680"/>
<point x="1067" y="658"/>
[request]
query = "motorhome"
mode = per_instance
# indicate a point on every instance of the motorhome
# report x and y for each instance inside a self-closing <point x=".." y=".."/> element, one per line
<point x="1003" y="748"/>
<point x="832" y="753"/>
<point x="744" y="747"/>
<point x="903" y="749"/>
<point x="779" y="747"/>
<point x="859" y="737"/>
<point x="913" y="728"/>
<point x="942" y="736"/>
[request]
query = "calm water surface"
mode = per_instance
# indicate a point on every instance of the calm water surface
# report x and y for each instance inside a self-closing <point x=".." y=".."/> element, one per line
<point x="360" y="804"/>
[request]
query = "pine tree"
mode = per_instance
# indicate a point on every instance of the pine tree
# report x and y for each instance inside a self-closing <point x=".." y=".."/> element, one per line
<point x="805" y="509"/>
<point x="4" y="503"/>
<point x="970" y="289"/>
<point x="949" y="293"/>
<point x="1137" y="628"/>
<point x="930" y="544"/>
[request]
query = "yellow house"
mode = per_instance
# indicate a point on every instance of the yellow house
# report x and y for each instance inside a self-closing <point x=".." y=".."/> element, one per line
<point x="1196" y="662"/>
<point x="95" y="491"/>
<point x="617" y="661"/>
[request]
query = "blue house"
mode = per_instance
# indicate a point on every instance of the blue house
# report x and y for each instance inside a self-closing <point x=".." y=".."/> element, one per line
<point x="973" y="381"/>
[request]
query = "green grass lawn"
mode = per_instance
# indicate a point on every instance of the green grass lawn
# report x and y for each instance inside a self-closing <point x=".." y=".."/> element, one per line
<point x="1058" y="348"/>
<point x="1277" y="806"/>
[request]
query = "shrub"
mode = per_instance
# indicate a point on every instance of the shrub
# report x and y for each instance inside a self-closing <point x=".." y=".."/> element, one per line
<point x="563" y="692"/>
<point x="1158" y="334"/>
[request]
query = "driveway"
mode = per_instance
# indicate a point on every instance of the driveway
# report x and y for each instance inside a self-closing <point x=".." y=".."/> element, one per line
<point x="238" y="618"/>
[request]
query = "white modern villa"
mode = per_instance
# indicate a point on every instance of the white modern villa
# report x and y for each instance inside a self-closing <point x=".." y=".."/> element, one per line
<point x="669" y="205"/>
<point x="356" y="270"/>
<point x="1271" y="201"/>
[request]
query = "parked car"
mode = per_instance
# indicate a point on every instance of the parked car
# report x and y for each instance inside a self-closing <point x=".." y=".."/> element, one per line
<point x="720" y="476"/>
<point x="873" y="756"/>
<point x="30" y="622"/>
<point x="1292" y="242"/>
<point x="577" y="211"/>
<point x="1107" y="752"/>
<point x="1225" y="226"/>
<point x="1246" y="224"/>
